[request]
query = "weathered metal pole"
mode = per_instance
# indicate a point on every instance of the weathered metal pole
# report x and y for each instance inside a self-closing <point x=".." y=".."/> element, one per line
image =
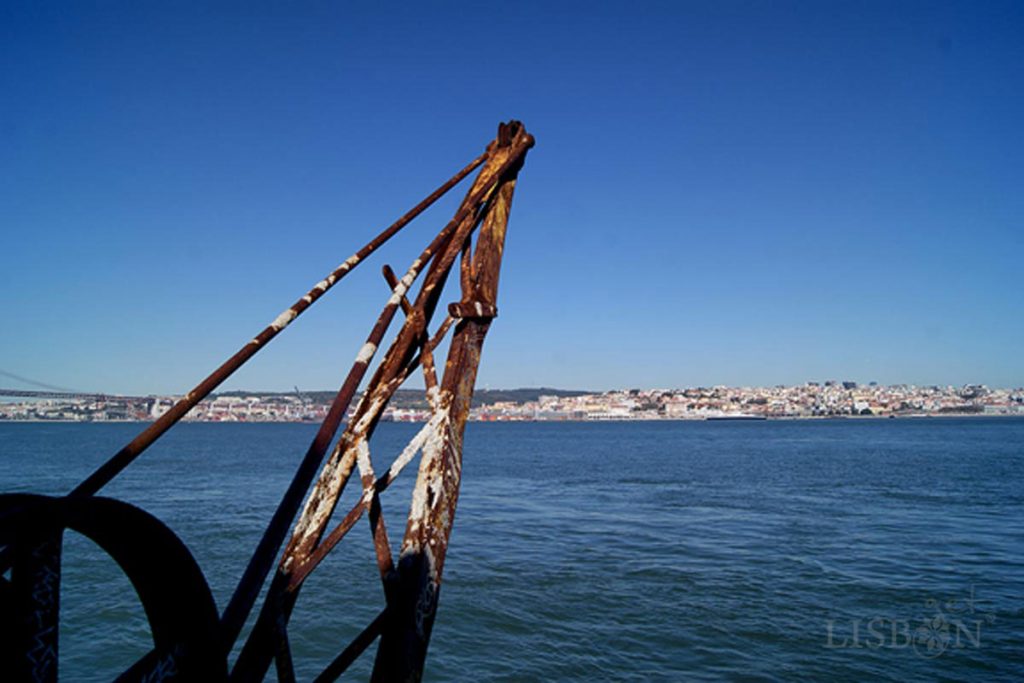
<point x="191" y="642"/>
<point x="410" y="615"/>
<point x="485" y="203"/>
<point x="110" y="469"/>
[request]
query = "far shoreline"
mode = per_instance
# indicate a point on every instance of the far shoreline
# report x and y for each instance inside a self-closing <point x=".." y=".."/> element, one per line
<point x="773" y="418"/>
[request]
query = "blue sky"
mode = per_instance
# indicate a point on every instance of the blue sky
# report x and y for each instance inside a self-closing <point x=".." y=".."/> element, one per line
<point x="721" y="193"/>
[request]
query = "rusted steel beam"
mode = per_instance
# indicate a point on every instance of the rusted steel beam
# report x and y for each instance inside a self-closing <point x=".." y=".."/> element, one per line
<point x="392" y="280"/>
<point x="190" y="638"/>
<point x="283" y="659"/>
<point x="256" y="654"/>
<point x="255" y="657"/>
<point x="388" y="376"/>
<point x="325" y="546"/>
<point x="259" y="566"/>
<point x="411" y="347"/>
<point x="262" y="560"/>
<point x="102" y="476"/>
<point x="426" y="350"/>
<point x="358" y="645"/>
<point x="410" y="617"/>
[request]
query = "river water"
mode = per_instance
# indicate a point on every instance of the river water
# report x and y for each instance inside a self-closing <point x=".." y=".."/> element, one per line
<point x="841" y="550"/>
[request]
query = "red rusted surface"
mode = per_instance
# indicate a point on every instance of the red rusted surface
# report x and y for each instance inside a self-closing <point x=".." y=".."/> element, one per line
<point x="102" y="476"/>
<point x="429" y="526"/>
<point x="411" y="586"/>
<point x="406" y="633"/>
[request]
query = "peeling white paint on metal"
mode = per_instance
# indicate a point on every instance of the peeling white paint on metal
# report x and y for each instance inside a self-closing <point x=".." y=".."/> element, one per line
<point x="366" y="353"/>
<point x="365" y="470"/>
<point x="400" y="289"/>
<point x="403" y="285"/>
<point x="281" y="321"/>
<point x="363" y="458"/>
<point x="377" y="406"/>
<point x="429" y="479"/>
<point x="333" y="477"/>
<point x="409" y="452"/>
<point x="432" y="395"/>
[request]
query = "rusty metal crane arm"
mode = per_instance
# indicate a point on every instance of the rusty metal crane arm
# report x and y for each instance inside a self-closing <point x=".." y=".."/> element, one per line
<point x="190" y="641"/>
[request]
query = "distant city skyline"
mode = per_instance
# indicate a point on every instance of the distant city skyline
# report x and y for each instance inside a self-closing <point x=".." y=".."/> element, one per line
<point x="811" y="400"/>
<point x="721" y="194"/>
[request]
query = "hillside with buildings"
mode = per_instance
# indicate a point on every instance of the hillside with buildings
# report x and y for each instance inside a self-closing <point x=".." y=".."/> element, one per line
<point x="810" y="400"/>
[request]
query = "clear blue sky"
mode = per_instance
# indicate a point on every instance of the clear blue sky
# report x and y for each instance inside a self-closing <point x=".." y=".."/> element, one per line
<point x="721" y="193"/>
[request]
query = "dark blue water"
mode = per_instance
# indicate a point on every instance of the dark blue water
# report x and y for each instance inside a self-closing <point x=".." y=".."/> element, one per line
<point x="768" y="551"/>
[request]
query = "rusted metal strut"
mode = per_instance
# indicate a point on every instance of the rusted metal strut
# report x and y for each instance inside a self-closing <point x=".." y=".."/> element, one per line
<point x="31" y="526"/>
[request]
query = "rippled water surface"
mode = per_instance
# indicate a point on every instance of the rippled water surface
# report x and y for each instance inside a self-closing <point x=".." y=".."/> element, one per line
<point x="842" y="550"/>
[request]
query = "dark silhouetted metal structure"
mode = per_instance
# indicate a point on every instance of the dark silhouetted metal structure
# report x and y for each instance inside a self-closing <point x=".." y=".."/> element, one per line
<point x="191" y="640"/>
